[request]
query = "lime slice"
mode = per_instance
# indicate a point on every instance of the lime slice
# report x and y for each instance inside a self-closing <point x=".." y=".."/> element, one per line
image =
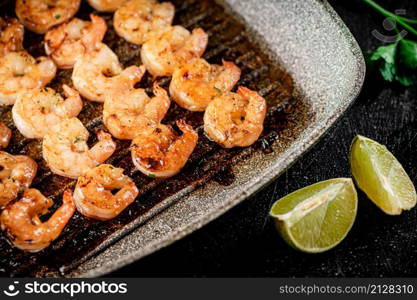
<point x="318" y="217"/>
<point x="379" y="174"/>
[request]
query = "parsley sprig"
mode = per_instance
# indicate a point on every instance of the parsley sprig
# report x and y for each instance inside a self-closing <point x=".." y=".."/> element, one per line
<point x="396" y="62"/>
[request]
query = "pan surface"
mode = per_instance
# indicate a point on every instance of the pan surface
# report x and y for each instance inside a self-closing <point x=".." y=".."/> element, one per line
<point x="297" y="54"/>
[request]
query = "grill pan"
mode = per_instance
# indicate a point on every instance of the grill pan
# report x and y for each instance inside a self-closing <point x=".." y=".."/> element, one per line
<point x="292" y="113"/>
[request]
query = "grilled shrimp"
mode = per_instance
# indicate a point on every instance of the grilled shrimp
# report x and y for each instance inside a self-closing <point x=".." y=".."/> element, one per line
<point x="40" y="15"/>
<point x="16" y="174"/>
<point x="5" y="135"/>
<point x="66" y="151"/>
<point x="35" y="112"/>
<point x="172" y="48"/>
<point x="136" y="20"/>
<point x="21" y="224"/>
<point x="11" y="36"/>
<point x="197" y="83"/>
<point x="96" y="72"/>
<point x="20" y="72"/>
<point x="70" y="40"/>
<point x="160" y="152"/>
<point x="129" y="111"/>
<point x="235" y="120"/>
<point x="106" y="5"/>
<point x="94" y="194"/>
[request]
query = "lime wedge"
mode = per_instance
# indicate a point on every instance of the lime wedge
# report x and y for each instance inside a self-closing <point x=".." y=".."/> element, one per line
<point x="379" y="174"/>
<point x="318" y="217"/>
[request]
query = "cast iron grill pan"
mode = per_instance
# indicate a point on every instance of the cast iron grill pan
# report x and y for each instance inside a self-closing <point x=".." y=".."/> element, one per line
<point x="83" y="237"/>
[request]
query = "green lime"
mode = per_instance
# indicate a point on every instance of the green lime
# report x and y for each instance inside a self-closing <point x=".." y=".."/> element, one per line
<point x="318" y="217"/>
<point x="379" y="174"/>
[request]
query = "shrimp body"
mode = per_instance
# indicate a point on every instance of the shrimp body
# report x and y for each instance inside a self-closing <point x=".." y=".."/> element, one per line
<point x="65" y="43"/>
<point x="160" y="152"/>
<point x="129" y="111"/>
<point x="197" y="83"/>
<point x="136" y="20"/>
<point x="96" y="71"/>
<point x="40" y="15"/>
<point x="11" y="36"/>
<point x="16" y="174"/>
<point x="21" y="224"/>
<point x="106" y="5"/>
<point x="35" y="112"/>
<point x="5" y="135"/>
<point x="20" y="72"/>
<point x="167" y="50"/>
<point x="235" y="120"/>
<point x="93" y="193"/>
<point x="66" y="152"/>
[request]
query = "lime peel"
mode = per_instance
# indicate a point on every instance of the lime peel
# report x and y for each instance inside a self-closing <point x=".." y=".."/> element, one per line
<point x="318" y="217"/>
<point x="379" y="174"/>
<point x="309" y="204"/>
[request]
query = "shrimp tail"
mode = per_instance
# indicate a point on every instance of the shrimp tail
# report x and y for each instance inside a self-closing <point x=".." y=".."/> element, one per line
<point x="60" y="218"/>
<point x="228" y="64"/>
<point x="96" y="34"/>
<point x="184" y="127"/>
<point x="5" y="135"/>
<point x="126" y="196"/>
<point x="103" y="149"/>
<point x="159" y="91"/>
<point x="73" y="104"/>
<point x="132" y="74"/>
<point x="161" y="101"/>
<point x="199" y="41"/>
<point x="47" y="68"/>
<point x="256" y="109"/>
<point x="188" y="139"/>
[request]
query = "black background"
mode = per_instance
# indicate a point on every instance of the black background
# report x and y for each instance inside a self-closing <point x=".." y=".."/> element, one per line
<point x="244" y="243"/>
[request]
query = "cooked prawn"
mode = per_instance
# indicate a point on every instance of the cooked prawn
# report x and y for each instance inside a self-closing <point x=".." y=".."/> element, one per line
<point x="16" y="174"/>
<point x="40" y="15"/>
<point x="65" y="43"/>
<point x="235" y="120"/>
<point x="5" y="135"/>
<point x="21" y="224"/>
<point x="197" y="83"/>
<point x="66" y="151"/>
<point x="96" y="72"/>
<point x="128" y="111"/>
<point x="11" y="36"/>
<point x="136" y="20"/>
<point x="94" y="194"/>
<point x="35" y="112"/>
<point x="160" y="152"/>
<point x="20" y="72"/>
<point x="106" y="5"/>
<point x="172" y="48"/>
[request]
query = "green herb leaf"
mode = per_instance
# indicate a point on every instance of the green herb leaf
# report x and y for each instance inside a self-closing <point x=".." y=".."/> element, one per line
<point x="57" y="17"/>
<point x="407" y="52"/>
<point x="407" y="80"/>
<point x="150" y="175"/>
<point x="396" y="62"/>
<point x="388" y="71"/>
<point x="77" y="139"/>
<point x="384" y="57"/>
<point x="387" y="53"/>
<point x="218" y="90"/>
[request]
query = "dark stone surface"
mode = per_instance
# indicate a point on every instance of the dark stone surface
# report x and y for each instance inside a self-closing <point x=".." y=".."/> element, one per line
<point x="244" y="243"/>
